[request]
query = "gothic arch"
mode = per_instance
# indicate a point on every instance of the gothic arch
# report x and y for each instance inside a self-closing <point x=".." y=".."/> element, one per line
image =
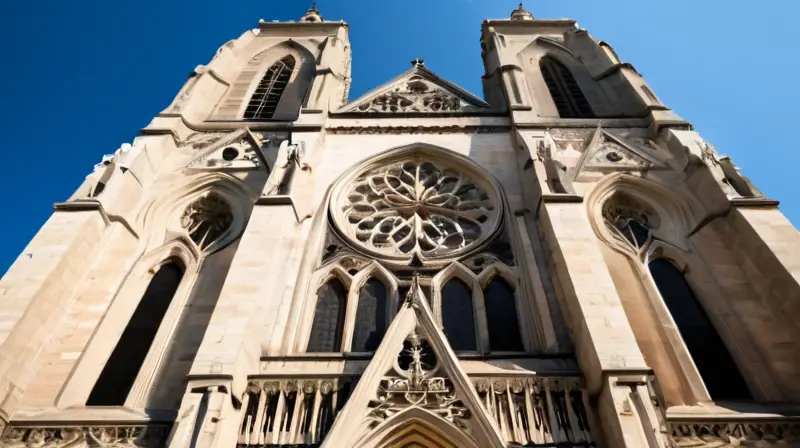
<point x="415" y="425"/>
<point x="162" y="213"/>
<point x="676" y="217"/>
<point x="235" y="101"/>
<point x="543" y="47"/>
<point x="126" y="299"/>
<point x="373" y="271"/>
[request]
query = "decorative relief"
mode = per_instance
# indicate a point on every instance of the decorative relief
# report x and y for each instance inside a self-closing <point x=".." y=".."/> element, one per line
<point x="533" y="410"/>
<point x="415" y="207"/>
<point x="151" y="436"/>
<point x="288" y="412"/>
<point x="415" y="385"/>
<point x="723" y="435"/>
<point x="416" y="95"/>
<point x="238" y="154"/>
<point x="207" y="219"/>
<point x="631" y="219"/>
<point x="608" y="153"/>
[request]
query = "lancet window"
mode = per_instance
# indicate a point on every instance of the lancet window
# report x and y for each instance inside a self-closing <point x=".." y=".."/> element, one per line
<point x="268" y="93"/>
<point x="636" y="222"/>
<point x="564" y="89"/>
<point x="122" y="368"/>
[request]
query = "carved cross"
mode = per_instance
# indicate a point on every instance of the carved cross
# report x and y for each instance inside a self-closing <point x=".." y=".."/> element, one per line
<point x="418" y="62"/>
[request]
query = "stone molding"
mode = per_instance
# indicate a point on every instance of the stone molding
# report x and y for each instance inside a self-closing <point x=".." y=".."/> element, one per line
<point x="84" y="436"/>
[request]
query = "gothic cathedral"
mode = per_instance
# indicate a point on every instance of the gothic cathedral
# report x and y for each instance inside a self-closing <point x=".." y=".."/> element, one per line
<point x="563" y="263"/>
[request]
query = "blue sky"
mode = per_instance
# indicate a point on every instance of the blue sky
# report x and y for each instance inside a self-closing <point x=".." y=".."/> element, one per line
<point x="81" y="77"/>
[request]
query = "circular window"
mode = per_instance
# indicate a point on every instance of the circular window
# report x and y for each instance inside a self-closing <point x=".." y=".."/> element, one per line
<point x="230" y="153"/>
<point x="410" y="207"/>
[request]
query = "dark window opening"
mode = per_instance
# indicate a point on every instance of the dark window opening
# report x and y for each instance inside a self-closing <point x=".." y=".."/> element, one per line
<point x="501" y="317"/>
<point x="326" y="330"/>
<point x="268" y="93"/>
<point x="370" y="324"/>
<point x="458" y="316"/>
<point x="713" y="360"/>
<point x="564" y="90"/>
<point x="122" y="368"/>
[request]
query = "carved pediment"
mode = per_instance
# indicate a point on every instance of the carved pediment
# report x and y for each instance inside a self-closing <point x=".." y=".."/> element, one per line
<point x="607" y="153"/>
<point x="240" y="150"/>
<point x="418" y="91"/>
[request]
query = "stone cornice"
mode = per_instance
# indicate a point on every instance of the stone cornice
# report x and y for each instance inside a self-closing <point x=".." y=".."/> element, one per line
<point x="754" y="203"/>
<point x="451" y="129"/>
<point x="82" y="205"/>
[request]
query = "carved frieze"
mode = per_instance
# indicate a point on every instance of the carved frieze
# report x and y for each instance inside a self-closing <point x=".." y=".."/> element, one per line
<point x="731" y="434"/>
<point x="150" y="436"/>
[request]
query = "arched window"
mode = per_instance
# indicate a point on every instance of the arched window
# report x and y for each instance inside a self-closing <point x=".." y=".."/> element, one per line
<point x="265" y="99"/>
<point x="714" y="363"/>
<point x="501" y="317"/>
<point x="326" y="330"/>
<point x="370" y="322"/>
<point x="565" y="91"/>
<point x="458" y="316"/>
<point x="119" y="374"/>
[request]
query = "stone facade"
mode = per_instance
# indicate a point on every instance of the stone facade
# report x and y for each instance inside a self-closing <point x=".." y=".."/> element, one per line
<point x="562" y="189"/>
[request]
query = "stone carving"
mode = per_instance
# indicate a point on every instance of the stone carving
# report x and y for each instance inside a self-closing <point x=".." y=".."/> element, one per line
<point x="120" y="161"/>
<point x="239" y="154"/>
<point x="610" y="153"/>
<point x="416" y="95"/>
<point x="151" y="436"/>
<point x="722" y="434"/>
<point x="297" y="412"/>
<point x="207" y="219"/>
<point x="631" y="219"/>
<point x="202" y="139"/>
<point x="531" y="411"/>
<point x="556" y="173"/>
<point x="415" y="208"/>
<point x="416" y="386"/>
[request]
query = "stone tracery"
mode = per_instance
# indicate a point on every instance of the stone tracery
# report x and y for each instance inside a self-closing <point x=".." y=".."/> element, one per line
<point x="416" y="207"/>
<point x="207" y="219"/>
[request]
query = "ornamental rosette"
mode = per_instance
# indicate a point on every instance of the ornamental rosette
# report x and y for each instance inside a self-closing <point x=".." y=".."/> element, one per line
<point x="415" y="206"/>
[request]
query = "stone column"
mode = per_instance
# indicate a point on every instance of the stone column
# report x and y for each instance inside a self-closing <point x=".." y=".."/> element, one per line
<point x="605" y="344"/>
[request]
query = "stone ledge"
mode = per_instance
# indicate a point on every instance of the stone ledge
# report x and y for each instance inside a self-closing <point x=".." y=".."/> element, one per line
<point x="561" y="198"/>
<point x="105" y="415"/>
<point x="754" y="202"/>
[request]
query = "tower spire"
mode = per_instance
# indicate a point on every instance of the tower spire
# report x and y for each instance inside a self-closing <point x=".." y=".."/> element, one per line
<point x="520" y="13"/>
<point x="313" y="14"/>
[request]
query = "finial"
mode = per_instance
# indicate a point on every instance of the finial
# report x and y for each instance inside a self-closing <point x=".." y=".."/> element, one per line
<point x="313" y="14"/>
<point x="520" y="13"/>
<point x="418" y="62"/>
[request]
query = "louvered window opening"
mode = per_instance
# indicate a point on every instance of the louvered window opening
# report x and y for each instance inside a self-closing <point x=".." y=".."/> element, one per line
<point x="265" y="99"/>
<point x="566" y="93"/>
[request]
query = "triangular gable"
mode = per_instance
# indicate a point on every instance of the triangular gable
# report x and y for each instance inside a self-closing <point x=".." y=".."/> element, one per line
<point x="607" y="153"/>
<point x="417" y="91"/>
<point x="240" y="150"/>
<point x="400" y="379"/>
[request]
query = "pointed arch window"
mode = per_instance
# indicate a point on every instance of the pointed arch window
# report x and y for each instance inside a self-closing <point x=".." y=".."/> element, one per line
<point x="567" y="95"/>
<point x="371" y="313"/>
<point x="268" y="93"/>
<point x="122" y="368"/>
<point x="501" y="317"/>
<point x="458" y="316"/>
<point x="712" y="359"/>
<point x="328" y="325"/>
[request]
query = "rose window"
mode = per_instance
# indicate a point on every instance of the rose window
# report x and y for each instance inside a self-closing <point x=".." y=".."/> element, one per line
<point x="416" y="207"/>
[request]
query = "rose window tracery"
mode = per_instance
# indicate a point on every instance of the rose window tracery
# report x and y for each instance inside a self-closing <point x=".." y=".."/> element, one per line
<point x="207" y="219"/>
<point x="416" y="207"/>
